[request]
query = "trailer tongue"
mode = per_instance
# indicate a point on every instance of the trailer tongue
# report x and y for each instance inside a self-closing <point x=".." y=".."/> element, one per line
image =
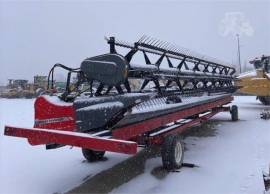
<point x="118" y="117"/>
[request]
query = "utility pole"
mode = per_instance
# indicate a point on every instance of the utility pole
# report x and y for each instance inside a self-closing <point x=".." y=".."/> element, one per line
<point x="239" y="56"/>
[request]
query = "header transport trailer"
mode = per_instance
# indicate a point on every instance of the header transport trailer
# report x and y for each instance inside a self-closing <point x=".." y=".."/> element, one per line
<point x="179" y="90"/>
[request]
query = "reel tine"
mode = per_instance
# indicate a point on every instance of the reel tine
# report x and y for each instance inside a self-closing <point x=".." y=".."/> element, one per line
<point x="152" y="42"/>
<point x="162" y="45"/>
<point x="127" y="43"/>
<point x="120" y="42"/>
<point x="141" y="39"/>
<point x="159" y="43"/>
<point x="156" y="46"/>
<point x="149" y="40"/>
<point x="167" y="46"/>
<point x="177" y="50"/>
<point x="172" y="48"/>
<point x="144" y="40"/>
<point x="156" y="42"/>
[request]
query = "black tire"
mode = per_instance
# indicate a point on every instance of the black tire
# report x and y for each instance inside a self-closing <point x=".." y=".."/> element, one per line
<point x="265" y="100"/>
<point x="172" y="152"/>
<point x="234" y="113"/>
<point x="91" y="155"/>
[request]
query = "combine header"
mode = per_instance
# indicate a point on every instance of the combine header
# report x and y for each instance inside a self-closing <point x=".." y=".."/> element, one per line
<point x="178" y="90"/>
<point x="256" y="82"/>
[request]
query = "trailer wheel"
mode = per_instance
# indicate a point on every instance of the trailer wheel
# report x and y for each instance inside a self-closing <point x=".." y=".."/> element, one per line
<point x="172" y="152"/>
<point x="92" y="155"/>
<point x="265" y="100"/>
<point x="234" y="113"/>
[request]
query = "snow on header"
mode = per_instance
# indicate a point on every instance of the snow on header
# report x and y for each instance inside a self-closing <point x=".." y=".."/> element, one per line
<point x="56" y="100"/>
<point x="247" y="74"/>
<point x="105" y="105"/>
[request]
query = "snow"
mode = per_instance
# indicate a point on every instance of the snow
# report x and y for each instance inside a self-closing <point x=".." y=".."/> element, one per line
<point x="102" y="62"/>
<point x="93" y="100"/>
<point x="247" y="74"/>
<point x="230" y="162"/>
<point x="152" y="106"/>
<point x="56" y="101"/>
<point x="174" y="70"/>
<point x="259" y="78"/>
<point x="32" y="169"/>
<point x="144" y="67"/>
<point x="105" y="105"/>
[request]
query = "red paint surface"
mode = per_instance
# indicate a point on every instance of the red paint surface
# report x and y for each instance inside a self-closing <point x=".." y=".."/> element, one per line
<point x="136" y="129"/>
<point x="74" y="140"/>
<point x="159" y="138"/>
<point x="46" y="110"/>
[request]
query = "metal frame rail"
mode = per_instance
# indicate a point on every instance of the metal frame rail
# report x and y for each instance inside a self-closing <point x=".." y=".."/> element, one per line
<point x="125" y="139"/>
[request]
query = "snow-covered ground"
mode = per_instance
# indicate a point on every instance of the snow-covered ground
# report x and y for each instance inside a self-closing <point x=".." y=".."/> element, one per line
<point x="230" y="162"/>
<point x="33" y="170"/>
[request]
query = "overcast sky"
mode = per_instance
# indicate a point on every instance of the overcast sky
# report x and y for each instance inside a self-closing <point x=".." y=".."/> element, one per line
<point x="34" y="35"/>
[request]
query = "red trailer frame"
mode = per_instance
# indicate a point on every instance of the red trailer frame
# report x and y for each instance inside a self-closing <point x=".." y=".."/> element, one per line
<point x="61" y="129"/>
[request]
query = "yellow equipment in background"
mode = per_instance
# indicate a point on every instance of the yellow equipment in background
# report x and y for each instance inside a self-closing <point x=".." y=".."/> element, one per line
<point x="257" y="82"/>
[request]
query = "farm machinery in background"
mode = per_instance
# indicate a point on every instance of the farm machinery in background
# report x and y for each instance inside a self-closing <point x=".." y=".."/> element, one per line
<point x="17" y="88"/>
<point x="257" y="82"/>
<point x="20" y="88"/>
<point x="179" y="89"/>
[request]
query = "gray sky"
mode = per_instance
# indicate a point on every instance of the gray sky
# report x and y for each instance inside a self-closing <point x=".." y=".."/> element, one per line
<point x="34" y="35"/>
